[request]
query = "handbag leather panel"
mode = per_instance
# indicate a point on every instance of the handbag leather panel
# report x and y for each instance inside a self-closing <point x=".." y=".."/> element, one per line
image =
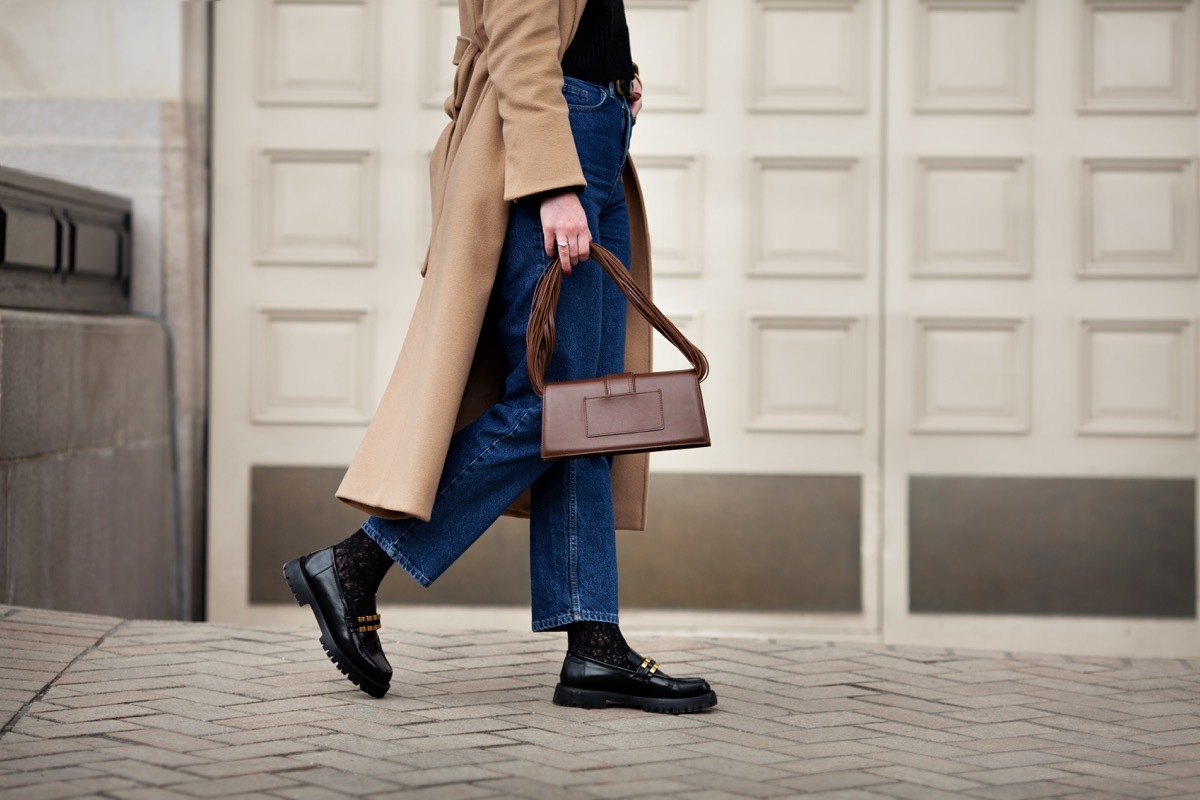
<point x="566" y="422"/>
<point x="635" y="412"/>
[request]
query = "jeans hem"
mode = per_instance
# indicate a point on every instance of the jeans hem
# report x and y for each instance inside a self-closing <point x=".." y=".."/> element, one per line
<point x="554" y="623"/>
<point x="407" y="566"/>
<point x="389" y="547"/>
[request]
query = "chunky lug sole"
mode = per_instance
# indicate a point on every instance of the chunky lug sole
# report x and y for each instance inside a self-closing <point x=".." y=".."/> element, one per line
<point x="298" y="583"/>
<point x="594" y="698"/>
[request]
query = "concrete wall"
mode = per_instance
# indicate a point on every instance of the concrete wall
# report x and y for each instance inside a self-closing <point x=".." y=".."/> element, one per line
<point x="85" y="464"/>
<point x="111" y="94"/>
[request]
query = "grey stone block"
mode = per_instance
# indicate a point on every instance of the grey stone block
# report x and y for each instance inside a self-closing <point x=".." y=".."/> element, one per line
<point x="125" y="509"/>
<point x="35" y="384"/>
<point x="92" y="532"/>
<point x="37" y="519"/>
<point x="97" y="386"/>
<point x="143" y="368"/>
<point x="4" y="507"/>
<point x="89" y="524"/>
<point x="86" y="574"/>
<point x="118" y="382"/>
<point x="139" y="536"/>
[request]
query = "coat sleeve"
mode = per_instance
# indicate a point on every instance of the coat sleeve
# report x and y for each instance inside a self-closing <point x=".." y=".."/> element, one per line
<point x="523" y="64"/>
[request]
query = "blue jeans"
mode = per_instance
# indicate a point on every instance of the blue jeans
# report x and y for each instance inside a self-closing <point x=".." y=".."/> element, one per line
<point x="572" y="535"/>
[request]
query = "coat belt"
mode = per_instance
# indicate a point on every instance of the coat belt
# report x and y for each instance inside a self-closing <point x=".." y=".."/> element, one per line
<point x="465" y="51"/>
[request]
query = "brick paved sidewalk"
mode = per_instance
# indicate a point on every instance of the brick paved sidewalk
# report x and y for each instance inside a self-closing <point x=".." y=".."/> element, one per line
<point x="102" y="707"/>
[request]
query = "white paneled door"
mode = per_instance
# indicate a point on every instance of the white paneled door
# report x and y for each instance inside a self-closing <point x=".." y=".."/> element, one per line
<point x="1041" y="297"/>
<point x="916" y="238"/>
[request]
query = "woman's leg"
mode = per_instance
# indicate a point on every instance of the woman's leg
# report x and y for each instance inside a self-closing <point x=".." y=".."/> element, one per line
<point x="572" y="541"/>
<point x="497" y="456"/>
<point x="490" y="462"/>
<point x="600" y="668"/>
<point x="572" y="533"/>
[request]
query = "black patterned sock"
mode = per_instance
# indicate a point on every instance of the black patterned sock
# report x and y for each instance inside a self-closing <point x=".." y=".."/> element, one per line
<point x="599" y="641"/>
<point x="361" y="565"/>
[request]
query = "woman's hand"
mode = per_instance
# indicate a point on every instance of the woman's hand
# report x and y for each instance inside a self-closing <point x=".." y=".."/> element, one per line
<point x="565" y="229"/>
<point x="635" y="99"/>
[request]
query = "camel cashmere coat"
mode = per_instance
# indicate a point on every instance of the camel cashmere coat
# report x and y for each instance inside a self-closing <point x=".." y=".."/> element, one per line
<point x="509" y="137"/>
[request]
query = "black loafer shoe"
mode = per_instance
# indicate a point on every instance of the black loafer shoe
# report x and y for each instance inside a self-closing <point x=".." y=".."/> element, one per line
<point x="586" y="683"/>
<point x="348" y="634"/>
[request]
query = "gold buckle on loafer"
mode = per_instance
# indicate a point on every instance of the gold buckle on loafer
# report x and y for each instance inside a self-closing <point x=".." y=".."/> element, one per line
<point x="647" y="668"/>
<point x="372" y="623"/>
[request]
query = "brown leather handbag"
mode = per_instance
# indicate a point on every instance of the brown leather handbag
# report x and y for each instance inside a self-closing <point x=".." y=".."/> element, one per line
<point x="615" y="414"/>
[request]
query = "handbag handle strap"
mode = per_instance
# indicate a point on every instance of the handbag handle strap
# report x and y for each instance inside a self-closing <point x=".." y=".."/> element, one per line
<point x="540" y="335"/>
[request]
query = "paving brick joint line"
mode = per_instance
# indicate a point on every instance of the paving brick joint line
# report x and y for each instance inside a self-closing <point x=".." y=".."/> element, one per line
<point x="15" y="718"/>
<point x="143" y="710"/>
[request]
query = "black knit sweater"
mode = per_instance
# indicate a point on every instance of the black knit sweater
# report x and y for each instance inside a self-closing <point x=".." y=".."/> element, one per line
<point x="599" y="53"/>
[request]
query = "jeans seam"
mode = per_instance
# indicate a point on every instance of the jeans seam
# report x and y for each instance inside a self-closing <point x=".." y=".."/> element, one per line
<point x="624" y="157"/>
<point x="585" y="95"/>
<point x="586" y="109"/>
<point x="582" y="615"/>
<point x="482" y="453"/>
<point x="572" y="536"/>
